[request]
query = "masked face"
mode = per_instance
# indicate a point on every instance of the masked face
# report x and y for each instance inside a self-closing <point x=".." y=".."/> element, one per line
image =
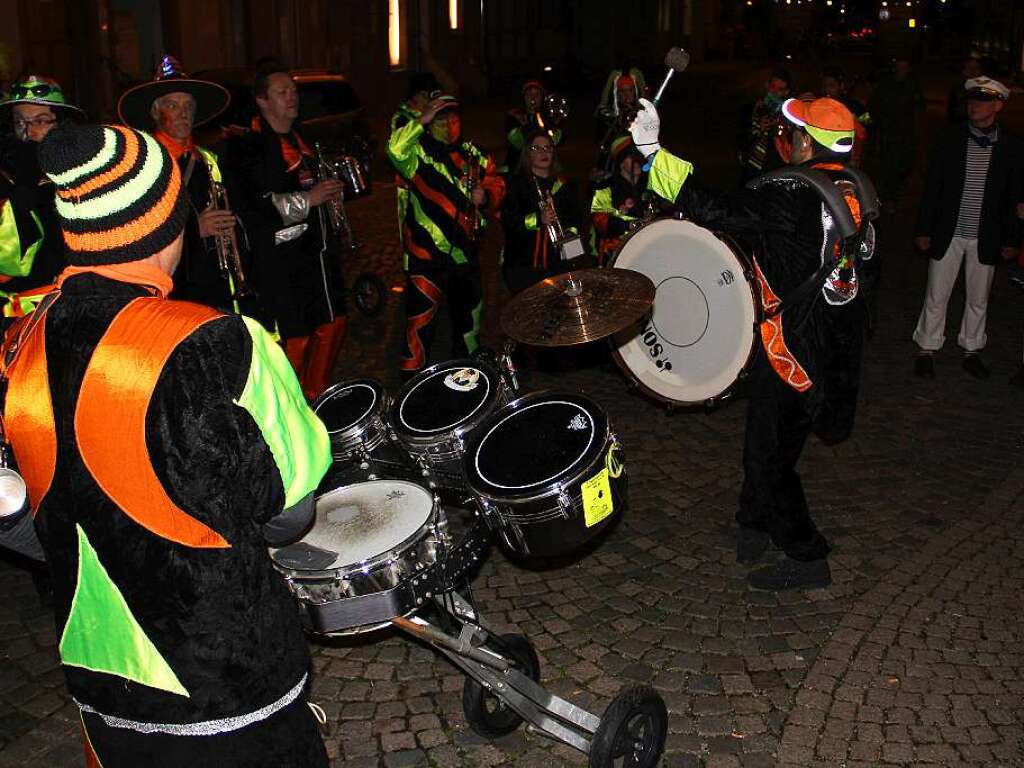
<point x="446" y="127"/>
<point x="174" y="114"/>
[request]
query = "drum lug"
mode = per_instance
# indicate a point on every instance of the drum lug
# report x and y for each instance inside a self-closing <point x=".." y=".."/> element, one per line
<point x="678" y="216"/>
<point x="564" y="502"/>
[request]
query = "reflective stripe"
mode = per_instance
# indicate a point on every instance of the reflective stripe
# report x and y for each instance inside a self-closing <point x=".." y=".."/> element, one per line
<point x="205" y="727"/>
<point x="212" y="165"/>
<point x="14" y="262"/>
<point x="602" y="203"/>
<point x="668" y="174"/>
<point x="440" y="241"/>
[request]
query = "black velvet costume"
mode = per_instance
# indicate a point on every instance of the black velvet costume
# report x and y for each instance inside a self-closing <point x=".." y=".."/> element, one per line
<point x="222" y="619"/>
<point x="300" y="283"/>
<point x="529" y="255"/>
<point x="782" y="225"/>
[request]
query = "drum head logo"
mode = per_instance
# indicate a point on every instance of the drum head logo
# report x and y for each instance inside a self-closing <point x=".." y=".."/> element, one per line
<point x="462" y="380"/>
<point x="577" y="423"/>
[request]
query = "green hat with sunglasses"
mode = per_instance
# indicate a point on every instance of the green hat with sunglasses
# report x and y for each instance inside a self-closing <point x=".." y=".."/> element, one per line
<point x="35" y="89"/>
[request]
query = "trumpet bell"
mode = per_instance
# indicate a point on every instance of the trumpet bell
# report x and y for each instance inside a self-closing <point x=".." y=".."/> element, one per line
<point x="13" y="493"/>
<point x="555" y="108"/>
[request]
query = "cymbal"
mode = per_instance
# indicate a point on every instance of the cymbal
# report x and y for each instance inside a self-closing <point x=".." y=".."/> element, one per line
<point x="577" y="307"/>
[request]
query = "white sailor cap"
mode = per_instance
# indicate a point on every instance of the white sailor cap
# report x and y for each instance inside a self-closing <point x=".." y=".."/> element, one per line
<point x="986" y="89"/>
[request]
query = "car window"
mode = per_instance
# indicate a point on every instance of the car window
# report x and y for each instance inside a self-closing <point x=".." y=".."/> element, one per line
<point x="318" y="99"/>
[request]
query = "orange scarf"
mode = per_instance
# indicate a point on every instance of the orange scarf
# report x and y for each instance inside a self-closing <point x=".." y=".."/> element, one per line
<point x="174" y="147"/>
<point x="292" y="153"/>
<point x="152" y="278"/>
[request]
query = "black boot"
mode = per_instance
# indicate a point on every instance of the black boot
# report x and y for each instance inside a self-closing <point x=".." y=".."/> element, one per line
<point x="791" y="574"/>
<point x="924" y="366"/>
<point x="750" y="545"/>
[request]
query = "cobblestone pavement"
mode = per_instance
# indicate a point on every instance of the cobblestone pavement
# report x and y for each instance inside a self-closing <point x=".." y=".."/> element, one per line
<point x="913" y="656"/>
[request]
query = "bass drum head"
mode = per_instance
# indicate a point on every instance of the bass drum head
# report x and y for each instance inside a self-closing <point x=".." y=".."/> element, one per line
<point x="360" y="522"/>
<point x="534" y="442"/>
<point x="348" y="404"/>
<point x="701" y="332"/>
<point x="443" y="398"/>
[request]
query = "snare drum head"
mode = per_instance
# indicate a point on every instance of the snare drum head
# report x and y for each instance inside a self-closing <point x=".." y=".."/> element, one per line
<point x="348" y="404"/>
<point x="444" y="398"/>
<point x="701" y="332"/>
<point x="358" y="523"/>
<point x="534" y="442"/>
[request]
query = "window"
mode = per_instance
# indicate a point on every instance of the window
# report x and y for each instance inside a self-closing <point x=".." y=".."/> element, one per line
<point x="454" y="14"/>
<point x="396" y="33"/>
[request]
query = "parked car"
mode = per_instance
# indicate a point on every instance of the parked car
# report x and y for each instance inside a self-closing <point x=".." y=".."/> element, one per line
<point x="329" y="113"/>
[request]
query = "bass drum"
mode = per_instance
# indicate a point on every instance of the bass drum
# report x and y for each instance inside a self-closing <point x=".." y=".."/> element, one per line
<point x="702" y="332"/>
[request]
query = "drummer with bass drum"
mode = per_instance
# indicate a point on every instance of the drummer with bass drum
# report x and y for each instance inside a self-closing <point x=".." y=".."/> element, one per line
<point x="807" y="365"/>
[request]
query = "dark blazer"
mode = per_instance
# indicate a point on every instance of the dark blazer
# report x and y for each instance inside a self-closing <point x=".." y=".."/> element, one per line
<point x="944" y="184"/>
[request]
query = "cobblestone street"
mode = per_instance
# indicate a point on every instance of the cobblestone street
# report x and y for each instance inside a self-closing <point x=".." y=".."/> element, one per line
<point x="914" y="656"/>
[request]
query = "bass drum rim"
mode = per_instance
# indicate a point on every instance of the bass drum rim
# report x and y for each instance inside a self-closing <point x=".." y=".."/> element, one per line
<point x="602" y="432"/>
<point x="748" y="278"/>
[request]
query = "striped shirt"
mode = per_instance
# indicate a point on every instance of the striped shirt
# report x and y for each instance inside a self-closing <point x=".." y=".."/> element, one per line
<point x="978" y="159"/>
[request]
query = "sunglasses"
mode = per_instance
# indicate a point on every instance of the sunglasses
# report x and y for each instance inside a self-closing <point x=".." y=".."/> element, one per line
<point x="39" y="122"/>
<point x="21" y="91"/>
<point x="542" y="147"/>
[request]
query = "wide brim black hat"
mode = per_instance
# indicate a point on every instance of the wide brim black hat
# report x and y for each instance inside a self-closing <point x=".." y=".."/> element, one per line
<point x="135" y="105"/>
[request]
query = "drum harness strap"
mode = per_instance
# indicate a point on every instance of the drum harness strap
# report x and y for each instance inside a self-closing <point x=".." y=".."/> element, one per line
<point x="844" y="231"/>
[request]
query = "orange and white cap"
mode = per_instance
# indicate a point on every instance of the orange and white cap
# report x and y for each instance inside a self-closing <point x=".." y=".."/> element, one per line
<point x="827" y="121"/>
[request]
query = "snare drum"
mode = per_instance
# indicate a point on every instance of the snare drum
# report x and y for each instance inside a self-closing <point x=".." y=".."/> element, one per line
<point x="548" y="473"/>
<point x="438" y="408"/>
<point x="702" y="333"/>
<point x="363" y="446"/>
<point x="368" y="557"/>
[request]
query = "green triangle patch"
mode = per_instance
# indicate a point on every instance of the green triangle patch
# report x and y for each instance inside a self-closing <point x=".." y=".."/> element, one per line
<point x="102" y="635"/>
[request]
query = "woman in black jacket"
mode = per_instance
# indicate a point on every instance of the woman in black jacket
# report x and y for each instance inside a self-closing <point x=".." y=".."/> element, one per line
<point x="530" y="255"/>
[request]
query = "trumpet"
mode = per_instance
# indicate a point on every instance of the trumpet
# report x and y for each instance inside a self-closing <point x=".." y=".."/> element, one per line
<point x="337" y="216"/>
<point x="471" y="180"/>
<point x="229" y="257"/>
<point x="553" y="110"/>
<point x="570" y="246"/>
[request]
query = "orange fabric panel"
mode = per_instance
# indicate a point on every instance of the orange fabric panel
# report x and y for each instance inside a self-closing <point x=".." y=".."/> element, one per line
<point x="135" y="272"/>
<point x="782" y="360"/>
<point x="29" y="414"/>
<point x="110" y="421"/>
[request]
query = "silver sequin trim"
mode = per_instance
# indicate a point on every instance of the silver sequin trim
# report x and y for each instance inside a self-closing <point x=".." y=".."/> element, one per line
<point x="207" y="727"/>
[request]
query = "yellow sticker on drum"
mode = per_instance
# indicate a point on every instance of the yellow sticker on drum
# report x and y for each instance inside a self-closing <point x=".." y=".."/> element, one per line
<point x="597" y="498"/>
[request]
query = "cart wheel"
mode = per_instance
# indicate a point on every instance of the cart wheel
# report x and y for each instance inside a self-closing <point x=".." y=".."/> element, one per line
<point x="487" y="714"/>
<point x="369" y="293"/>
<point x="632" y="731"/>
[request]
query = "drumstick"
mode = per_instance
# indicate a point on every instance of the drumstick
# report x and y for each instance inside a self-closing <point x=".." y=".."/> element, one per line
<point x="676" y="60"/>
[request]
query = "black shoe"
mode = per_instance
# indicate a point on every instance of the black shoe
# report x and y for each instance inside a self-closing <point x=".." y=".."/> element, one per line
<point x="750" y="545"/>
<point x="1018" y="378"/>
<point x="924" y="366"/>
<point x="791" y="574"/>
<point x="974" y="366"/>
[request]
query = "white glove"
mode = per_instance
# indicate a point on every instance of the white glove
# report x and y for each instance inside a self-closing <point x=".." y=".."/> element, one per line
<point x="644" y="129"/>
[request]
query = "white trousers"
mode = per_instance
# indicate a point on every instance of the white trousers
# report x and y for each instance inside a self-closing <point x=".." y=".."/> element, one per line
<point x="930" y="333"/>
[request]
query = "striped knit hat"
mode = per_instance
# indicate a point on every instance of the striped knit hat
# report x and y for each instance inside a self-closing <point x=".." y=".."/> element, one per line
<point x="119" y="193"/>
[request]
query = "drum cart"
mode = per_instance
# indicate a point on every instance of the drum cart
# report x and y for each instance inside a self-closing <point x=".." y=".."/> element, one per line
<point x="502" y="690"/>
<point x="502" y="671"/>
